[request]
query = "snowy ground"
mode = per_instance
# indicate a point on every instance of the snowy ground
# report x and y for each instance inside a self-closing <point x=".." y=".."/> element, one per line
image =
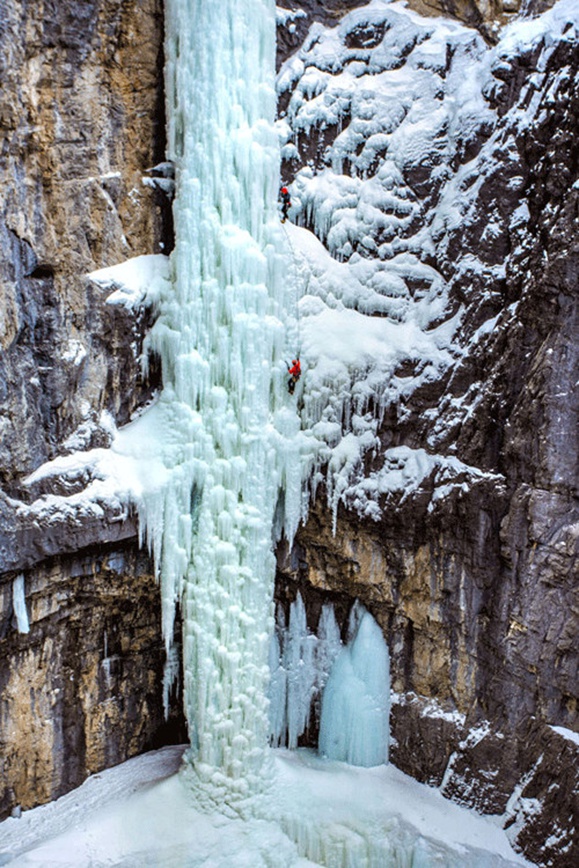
<point x="320" y="813"/>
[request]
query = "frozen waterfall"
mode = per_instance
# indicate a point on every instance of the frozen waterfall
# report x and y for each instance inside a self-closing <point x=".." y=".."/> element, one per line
<point x="316" y="681"/>
<point x="228" y="422"/>
<point x="354" y="725"/>
<point x="232" y="465"/>
<point x="216" y="467"/>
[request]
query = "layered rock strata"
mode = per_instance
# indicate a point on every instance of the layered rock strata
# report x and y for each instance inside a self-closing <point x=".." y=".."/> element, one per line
<point x="82" y="673"/>
<point x="81" y="123"/>
<point x="81" y="120"/>
<point x="474" y="582"/>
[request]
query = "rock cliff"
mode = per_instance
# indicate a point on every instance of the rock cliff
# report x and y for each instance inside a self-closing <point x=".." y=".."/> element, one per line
<point x="472" y="570"/>
<point x="82" y="688"/>
<point x="81" y="122"/>
<point x="82" y="119"/>
<point x="473" y="580"/>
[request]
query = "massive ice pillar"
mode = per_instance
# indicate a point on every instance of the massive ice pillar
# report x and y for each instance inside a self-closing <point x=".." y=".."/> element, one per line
<point x="227" y="416"/>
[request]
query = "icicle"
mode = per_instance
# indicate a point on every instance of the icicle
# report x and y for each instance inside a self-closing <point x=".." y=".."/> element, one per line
<point x="301" y="674"/>
<point x="278" y="684"/>
<point x="106" y="661"/>
<point x="19" y="604"/>
<point x="328" y="647"/>
<point x="170" y="678"/>
<point x="300" y="663"/>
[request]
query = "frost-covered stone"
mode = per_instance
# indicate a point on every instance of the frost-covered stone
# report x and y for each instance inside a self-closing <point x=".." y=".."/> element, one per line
<point x="473" y="571"/>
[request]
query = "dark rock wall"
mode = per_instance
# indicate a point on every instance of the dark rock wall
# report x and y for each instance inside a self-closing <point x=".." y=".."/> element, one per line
<point x="81" y="122"/>
<point x="83" y="689"/>
<point x="477" y="590"/>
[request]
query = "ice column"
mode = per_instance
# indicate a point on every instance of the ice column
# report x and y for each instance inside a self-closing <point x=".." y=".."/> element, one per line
<point x="226" y="415"/>
<point x="19" y="604"/>
<point x="354" y="725"/>
<point x="300" y="663"/>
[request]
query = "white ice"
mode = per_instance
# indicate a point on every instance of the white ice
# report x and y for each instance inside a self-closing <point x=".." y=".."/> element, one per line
<point x="19" y="604"/>
<point x="320" y="813"/>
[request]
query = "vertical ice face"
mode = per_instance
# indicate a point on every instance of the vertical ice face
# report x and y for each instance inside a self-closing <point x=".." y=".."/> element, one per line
<point x="228" y="423"/>
<point x="300" y="663"/>
<point x="354" y="725"/>
<point x="346" y="687"/>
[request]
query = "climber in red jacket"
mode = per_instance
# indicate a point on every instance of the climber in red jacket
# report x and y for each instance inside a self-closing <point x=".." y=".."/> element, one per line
<point x="285" y="203"/>
<point x="295" y="373"/>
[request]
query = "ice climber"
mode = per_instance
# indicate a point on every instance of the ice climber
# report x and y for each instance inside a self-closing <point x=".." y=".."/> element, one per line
<point x="295" y="373"/>
<point x="285" y="203"/>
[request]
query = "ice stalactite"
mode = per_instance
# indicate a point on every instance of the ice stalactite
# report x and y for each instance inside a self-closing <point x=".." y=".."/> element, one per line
<point x="19" y="604"/>
<point x="300" y="663"/>
<point x="345" y="687"/>
<point x="354" y="725"/>
<point x="229" y="426"/>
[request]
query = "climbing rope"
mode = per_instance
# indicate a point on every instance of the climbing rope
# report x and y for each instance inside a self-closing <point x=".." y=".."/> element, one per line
<point x="296" y="300"/>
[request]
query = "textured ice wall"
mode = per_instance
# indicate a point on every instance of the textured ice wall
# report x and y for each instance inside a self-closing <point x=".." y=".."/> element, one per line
<point x="354" y="725"/>
<point x="347" y="687"/>
<point x="300" y="663"/>
<point x="227" y="421"/>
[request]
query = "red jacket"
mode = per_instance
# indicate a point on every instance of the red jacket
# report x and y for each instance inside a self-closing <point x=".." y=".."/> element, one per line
<point x="296" y="368"/>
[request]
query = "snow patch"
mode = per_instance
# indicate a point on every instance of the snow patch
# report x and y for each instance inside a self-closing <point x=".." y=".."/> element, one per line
<point x="568" y="734"/>
<point x="429" y="708"/>
<point x="317" y="813"/>
<point x="138" y="281"/>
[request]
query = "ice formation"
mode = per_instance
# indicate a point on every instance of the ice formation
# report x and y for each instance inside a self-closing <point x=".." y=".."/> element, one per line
<point x="346" y="688"/>
<point x="354" y="725"/>
<point x="220" y="445"/>
<point x="300" y="664"/>
<point x="19" y="604"/>
<point x="231" y="471"/>
<point x="228" y="423"/>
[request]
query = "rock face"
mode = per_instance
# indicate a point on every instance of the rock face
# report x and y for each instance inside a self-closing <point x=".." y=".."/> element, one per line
<point x="81" y="119"/>
<point x="81" y="122"/>
<point x="475" y="585"/>
<point x="472" y="581"/>
<point x="486" y="15"/>
<point x="82" y="690"/>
